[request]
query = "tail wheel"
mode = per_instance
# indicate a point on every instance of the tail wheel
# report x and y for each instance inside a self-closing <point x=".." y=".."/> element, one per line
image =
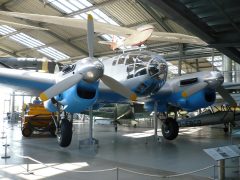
<point x="27" y="131"/>
<point x="170" y="129"/>
<point x="64" y="137"/>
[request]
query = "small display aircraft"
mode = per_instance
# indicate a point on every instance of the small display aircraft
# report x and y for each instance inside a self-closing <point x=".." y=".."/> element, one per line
<point x="138" y="76"/>
<point x="132" y="37"/>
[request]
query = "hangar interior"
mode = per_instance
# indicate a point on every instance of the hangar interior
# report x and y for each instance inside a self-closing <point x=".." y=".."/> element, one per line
<point x="127" y="148"/>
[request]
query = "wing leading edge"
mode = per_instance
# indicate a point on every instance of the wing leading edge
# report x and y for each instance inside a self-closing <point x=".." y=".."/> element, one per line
<point x="31" y="82"/>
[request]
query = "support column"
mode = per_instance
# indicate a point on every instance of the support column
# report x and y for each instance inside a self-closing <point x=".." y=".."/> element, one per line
<point x="90" y="142"/>
<point x="13" y="115"/>
<point x="180" y="59"/>
<point x="221" y="169"/>
<point x="237" y="72"/>
<point x="155" y="120"/>
<point x="90" y="125"/>
<point x="197" y="66"/>
<point x="213" y="59"/>
<point x="227" y="69"/>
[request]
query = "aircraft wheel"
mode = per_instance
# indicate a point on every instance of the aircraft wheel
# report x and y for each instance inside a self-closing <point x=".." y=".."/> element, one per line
<point x="27" y="131"/>
<point x="170" y="129"/>
<point x="64" y="137"/>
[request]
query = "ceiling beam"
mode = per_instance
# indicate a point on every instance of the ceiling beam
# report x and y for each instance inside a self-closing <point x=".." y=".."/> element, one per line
<point x="160" y="20"/>
<point x="179" y="13"/>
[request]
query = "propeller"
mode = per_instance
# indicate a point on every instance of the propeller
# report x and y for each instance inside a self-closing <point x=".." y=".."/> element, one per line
<point x="220" y="89"/>
<point x="60" y="87"/>
<point x="93" y="71"/>
<point x="226" y="96"/>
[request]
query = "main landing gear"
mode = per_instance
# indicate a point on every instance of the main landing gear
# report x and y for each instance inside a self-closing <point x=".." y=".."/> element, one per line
<point x="63" y="128"/>
<point x="170" y="128"/>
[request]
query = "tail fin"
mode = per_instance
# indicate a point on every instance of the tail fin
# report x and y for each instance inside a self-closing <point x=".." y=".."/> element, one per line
<point x="113" y="45"/>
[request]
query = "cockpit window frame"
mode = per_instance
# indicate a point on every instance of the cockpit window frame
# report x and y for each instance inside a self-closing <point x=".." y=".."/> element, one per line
<point x="122" y="59"/>
<point x="69" y="68"/>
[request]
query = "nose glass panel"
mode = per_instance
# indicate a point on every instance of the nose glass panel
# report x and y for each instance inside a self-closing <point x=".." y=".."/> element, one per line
<point x="157" y="68"/>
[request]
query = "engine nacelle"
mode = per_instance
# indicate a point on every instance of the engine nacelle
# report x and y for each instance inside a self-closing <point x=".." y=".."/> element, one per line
<point x="75" y="99"/>
<point x="50" y="106"/>
<point x="201" y="99"/>
<point x="79" y="97"/>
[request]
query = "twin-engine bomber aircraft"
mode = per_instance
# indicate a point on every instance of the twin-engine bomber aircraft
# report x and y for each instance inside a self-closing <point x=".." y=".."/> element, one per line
<point x="139" y="77"/>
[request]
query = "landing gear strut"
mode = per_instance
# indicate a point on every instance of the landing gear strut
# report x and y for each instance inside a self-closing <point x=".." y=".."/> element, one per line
<point x="170" y="128"/>
<point x="63" y="128"/>
<point x="64" y="136"/>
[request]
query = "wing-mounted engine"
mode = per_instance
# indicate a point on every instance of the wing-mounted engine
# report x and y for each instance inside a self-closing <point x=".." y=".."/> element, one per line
<point x="201" y="99"/>
<point x="76" y="99"/>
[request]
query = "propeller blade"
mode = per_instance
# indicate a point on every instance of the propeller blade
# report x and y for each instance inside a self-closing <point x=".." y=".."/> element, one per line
<point x="56" y="69"/>
<point x="19" y="25"/>
<point x="90" y="35"/>
<point x="226" y="96"/>
<point x="193" y="89"/>
<point x="118" y="87"/>
<point x="60" y="87"/>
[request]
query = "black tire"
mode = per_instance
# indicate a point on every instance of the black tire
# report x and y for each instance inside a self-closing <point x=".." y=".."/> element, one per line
<point x="170" y="129"/>
<point x="64" y="137"/>
<point x="27" y="131"/>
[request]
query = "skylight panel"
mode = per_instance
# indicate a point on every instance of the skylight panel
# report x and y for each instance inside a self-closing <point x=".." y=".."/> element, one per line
<point x="85" y="3"/>
<point x="4" y="30"/>
<point x="105" y="17"/>
<point x="69" y="6"/>
<point x="26" y="40"/>
<point x="61" y="7"/>
<point x="32" y="40"/>
<point x="21" y="41"/>
<point x="78" y="4"/>
<point x="53" y="53"/>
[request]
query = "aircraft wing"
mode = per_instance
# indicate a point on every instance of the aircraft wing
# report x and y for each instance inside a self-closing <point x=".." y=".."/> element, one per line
<point x="176" y="37"/>
<point x="73" y="22"/>
<point x="32" y="82"/>
<point x="104" y="28"/>
<point x="19" y="25"/>
<point x="231" y="85"/>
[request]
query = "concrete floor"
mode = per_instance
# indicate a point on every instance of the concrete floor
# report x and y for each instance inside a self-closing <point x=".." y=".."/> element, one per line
<point x="130" y="148"/>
